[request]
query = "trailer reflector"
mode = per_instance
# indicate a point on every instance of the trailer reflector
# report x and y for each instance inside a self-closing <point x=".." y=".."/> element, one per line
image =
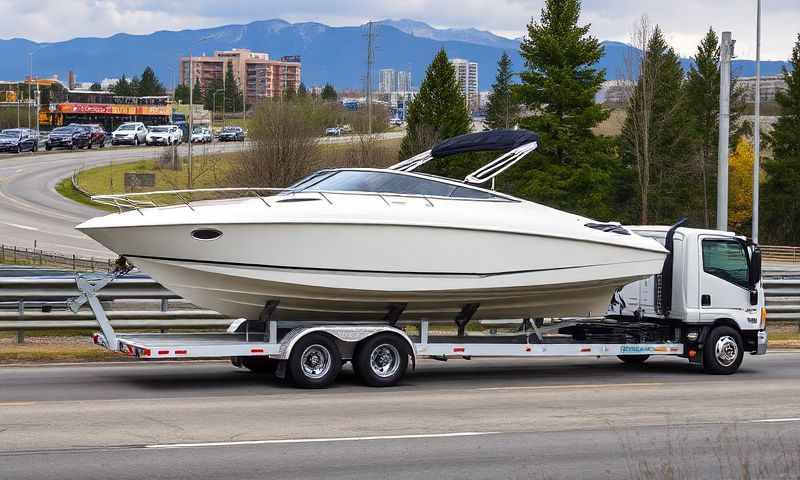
<point x="586" y="349"/>
<point x="180" y="352"/>
<point x="256" y="350"/>
<point x="458" y="349"/>
<point x="163" y="352"/>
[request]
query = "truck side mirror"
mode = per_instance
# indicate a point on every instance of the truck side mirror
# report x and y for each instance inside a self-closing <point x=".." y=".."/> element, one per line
<point x="755" y="267"/>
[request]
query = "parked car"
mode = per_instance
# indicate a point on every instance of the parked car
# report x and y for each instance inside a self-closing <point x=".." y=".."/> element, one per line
<point x="18" y="140"/>
<point x="184" y="127"/>
<point x="68" y="137"/>
<point x="333" y="132"/>
<point x="132" y="133"/>
<point x="202" y="135"/>
<point x="164" y="135"/>
<point x="346" y="129"/>
<point x="96" y="133"/>
<point x="231" y="134"/>
<point x="396" y="122"/>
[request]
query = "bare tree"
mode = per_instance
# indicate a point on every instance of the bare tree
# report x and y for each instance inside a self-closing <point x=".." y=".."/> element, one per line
<point x="640" y="95"/>
<point x="283" y="146"/>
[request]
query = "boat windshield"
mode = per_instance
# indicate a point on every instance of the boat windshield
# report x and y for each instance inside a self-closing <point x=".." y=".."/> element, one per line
<point x="386" y="182"/>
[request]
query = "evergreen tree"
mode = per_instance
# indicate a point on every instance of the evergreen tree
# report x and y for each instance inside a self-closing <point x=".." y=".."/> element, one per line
<point x="781" y="205"/>
<point x="122" y="87"/>
<point x="656" y="139"/>
<point x="702" y="102"/>
<point x="197" y="93"/>
<point x="149" y="85"/>
<point x="572" y="169"/>
<point x="233" y="93"/>
<point x="439" y="110"/>
<point x="135" y="86"/>
<point x="329" y="93"/>
<point x="95" y="87"/>
<point x="181" y="94"/>
<point x="502" y="110"/>
<point x="302" y="91"/>
<point x="215" y="102"/>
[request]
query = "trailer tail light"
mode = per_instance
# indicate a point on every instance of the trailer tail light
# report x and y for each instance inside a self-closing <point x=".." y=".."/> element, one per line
<point x="458" y="349"/>
<point x="692" y="354"/>
<point x="256" y="350"/>
<point x="763" y="317"/>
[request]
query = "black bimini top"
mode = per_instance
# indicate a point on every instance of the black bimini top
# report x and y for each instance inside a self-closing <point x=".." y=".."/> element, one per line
<point x="492" y="140"/>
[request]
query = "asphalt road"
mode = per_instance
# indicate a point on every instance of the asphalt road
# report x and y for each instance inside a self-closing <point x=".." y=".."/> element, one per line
<point x="32" y="212"/>
<point x="491" y="418"/>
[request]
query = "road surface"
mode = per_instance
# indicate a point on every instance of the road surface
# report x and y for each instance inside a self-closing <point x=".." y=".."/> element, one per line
<point x="490" y="418"/>
<point x="32" y="212"/>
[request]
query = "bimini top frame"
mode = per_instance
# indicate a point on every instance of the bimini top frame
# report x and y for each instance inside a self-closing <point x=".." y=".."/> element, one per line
<point x="516" y="143"/>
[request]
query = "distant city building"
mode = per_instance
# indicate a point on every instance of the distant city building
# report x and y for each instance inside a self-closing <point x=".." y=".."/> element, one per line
<point x="467" y="74"/>
<point x="770" y="85"/>
<point x="403" y="81"/>
<point x="260" y="76"/>
<point x="386" y="80"/>
<point x="71" y="80"/>
<point x="483" y="99"/>
<point x="614" y="93"/>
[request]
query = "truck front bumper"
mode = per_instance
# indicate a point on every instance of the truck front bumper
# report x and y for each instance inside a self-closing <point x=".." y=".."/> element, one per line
<point x="763" y="341"/>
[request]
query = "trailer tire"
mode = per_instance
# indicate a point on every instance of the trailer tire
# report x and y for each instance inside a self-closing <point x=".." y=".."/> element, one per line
<point x="315" y="361"/>
<point x="633" y="359"/>
<point x="723" y="351"/>
<point x="259" y="364"/>
<point x="381" y="360"/>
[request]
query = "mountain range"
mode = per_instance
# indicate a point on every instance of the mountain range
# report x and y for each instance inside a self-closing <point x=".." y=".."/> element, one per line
<point x="329" y="54"/>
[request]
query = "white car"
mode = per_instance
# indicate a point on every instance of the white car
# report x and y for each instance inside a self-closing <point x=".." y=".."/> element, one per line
<point x="131" y="133"/>
<point x="333" y="131"/>
<point x="202" y="135"/>
<point x="164" y="135"/>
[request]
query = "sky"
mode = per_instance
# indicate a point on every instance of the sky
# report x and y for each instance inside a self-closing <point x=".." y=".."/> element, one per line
<point x="683" y="21"/>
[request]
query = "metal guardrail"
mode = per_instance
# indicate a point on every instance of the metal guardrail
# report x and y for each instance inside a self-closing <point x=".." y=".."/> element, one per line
<point x="14" y="255"/>
<point x="780" y="254"/>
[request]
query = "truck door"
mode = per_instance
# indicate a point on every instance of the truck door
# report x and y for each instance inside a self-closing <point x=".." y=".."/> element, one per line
<point x="723" y="280"/>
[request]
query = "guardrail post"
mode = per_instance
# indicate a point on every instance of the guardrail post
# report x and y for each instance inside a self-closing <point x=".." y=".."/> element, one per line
<point x="73" y="263"/>
<point x="20" y="314"/>
<point x="15" y="254"/>
<point x="3" y="253"/>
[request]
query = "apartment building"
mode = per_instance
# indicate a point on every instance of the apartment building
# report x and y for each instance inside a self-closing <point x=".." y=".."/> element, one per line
<point x="257" y="74"/>
<point x="467" y="75"/>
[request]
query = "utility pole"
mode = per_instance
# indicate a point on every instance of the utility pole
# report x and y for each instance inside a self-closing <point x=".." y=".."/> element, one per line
<point x="370" y="62"/>
<point x="30" y="81"/>
<point x="191" y="115"/>
<point x="725" y="54"/>
<point x="757" y="126"/>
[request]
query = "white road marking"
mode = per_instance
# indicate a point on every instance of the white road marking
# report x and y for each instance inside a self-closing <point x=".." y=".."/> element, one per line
<point x="24" y="227"/>
<point x="592" y="385"/>
<point x="321" y="440"/>
<point x="775" y="420"/>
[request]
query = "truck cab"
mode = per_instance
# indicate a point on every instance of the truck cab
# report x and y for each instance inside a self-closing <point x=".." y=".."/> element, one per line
<point x="710" y="291"/>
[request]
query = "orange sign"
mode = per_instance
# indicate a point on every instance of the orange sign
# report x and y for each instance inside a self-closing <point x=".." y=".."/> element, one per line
<point x="107" y="109"/>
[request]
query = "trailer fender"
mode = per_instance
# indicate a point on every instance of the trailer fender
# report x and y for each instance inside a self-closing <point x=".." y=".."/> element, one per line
<point x="347" y="335"/>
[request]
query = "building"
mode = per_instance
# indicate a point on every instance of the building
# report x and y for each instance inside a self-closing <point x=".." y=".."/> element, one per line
<point x="770" y="85"/>
<point x="386" y="80"/>
<point x="467" y="75"/>
<point x="403" y="81"/>
<point x="614" y="93"/>
<point x="255" y="73"/>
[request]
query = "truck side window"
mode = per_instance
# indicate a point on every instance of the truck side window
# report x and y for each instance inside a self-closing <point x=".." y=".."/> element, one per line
<point x="725" y="259"/>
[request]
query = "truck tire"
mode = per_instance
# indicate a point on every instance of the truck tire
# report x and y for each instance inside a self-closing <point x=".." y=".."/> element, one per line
<point x="314" y="362"/>
<point x="633" y="359"/>
<point x="722" y="352"/>
<point x="381" y="360"/>
<point x="259" y="364"/>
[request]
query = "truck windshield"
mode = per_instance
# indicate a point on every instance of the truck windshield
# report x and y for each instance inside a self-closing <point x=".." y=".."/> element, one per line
<point x="727" y="260"/>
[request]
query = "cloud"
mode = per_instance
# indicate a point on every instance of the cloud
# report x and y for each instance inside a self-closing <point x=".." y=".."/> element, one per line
<point x="683" y="21"/>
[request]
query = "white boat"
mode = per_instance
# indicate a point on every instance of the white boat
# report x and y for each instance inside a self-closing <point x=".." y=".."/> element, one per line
<point x="381" y="245"/>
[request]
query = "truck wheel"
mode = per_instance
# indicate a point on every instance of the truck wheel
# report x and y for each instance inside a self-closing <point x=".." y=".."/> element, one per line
<point x="315" y="361"/>
<point x="722" y="352"/>
<point x="381" y="360"/>
<point x="633" y="359"/>
<point x="259" y="364"/>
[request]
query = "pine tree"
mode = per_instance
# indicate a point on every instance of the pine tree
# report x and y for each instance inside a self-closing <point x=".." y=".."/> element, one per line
<point x="215" y="102"/>
<point x="95" y="87"/>
<point x="781" y="205"/>
<point x="302" y="91"/>
<point x="149" y="85"/>
<point x="439" y="110"/>
<point x="666" y="136"/>
<point x="233" y="94"/>
<point x="122" y="87"/>
<point x="572" y="169"/>
<point x="197" y="93"/>
<point x="702" y="103"/>
<point x="502" y="110"/>
<point x="329" y="93"/>
<point x="181" y="94"/>
<point x="135" y="84"/>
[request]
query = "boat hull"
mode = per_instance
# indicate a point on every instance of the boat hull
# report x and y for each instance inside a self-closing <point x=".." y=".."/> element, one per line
<point x="358" y="272"/>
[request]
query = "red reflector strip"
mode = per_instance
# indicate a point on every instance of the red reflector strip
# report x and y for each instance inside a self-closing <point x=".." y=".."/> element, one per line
<point x="256" y="350"/>
<point x="586" y="349"/>
<point x="180" y="352"/>
<point x="163" y="352"/>
<point x="458" y="349"/>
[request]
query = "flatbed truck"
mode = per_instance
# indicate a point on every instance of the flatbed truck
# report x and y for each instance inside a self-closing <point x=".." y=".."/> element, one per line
<point x="707" y="305"/>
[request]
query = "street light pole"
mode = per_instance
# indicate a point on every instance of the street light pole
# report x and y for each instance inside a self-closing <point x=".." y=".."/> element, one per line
<point x="725" y="52"/>
<point x="757" y="126"/>
<point x="191" y="115"/>
<point x="30" y="80"/>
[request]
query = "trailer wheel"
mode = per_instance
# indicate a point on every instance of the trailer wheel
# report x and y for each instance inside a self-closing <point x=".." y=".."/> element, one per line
<point x="633" y="359"/>
<point x="315" y="361"/>
<point x="381" y="360"/>
<point x="259" y="364"/>
<point x="722" y="352"/>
